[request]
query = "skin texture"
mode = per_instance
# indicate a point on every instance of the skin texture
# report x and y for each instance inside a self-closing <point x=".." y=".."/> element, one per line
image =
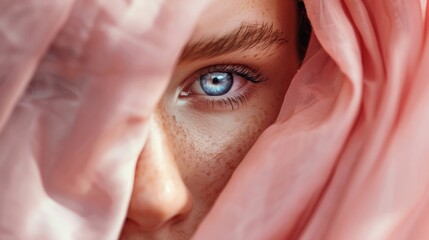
<point x="194" y="146"/>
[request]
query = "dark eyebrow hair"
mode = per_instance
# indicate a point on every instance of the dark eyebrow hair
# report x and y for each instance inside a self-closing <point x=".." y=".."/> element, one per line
<point x="247" y="36"/>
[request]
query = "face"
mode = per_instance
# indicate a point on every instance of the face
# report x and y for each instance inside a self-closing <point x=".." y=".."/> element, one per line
<point x="227" y="87"/>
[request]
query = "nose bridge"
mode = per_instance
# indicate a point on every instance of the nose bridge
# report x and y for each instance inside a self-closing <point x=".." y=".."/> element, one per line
<point x="159" y="194"/>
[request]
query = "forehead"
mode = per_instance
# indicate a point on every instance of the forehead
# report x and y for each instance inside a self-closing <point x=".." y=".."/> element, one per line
<point x="223" y="16"/>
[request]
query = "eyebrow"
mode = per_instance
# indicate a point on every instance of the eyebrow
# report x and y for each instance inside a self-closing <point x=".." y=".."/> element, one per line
<point x="247" y="36"/>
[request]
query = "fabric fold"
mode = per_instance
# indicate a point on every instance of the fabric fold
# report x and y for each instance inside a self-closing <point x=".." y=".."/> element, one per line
<point x="347" y="157"/>
<point x="75" y="107"/>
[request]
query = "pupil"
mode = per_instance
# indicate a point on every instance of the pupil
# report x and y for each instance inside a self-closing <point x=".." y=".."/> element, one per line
<point x="216" y="81"/>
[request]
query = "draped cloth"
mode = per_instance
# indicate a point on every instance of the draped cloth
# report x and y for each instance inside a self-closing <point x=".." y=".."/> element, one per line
<point x="78" y="81"/>
<point x="347" y="158"/>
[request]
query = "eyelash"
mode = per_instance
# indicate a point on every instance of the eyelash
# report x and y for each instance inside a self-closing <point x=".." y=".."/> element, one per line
<point x="249" y="74"/>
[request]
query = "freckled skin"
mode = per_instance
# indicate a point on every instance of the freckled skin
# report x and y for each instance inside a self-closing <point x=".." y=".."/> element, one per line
<point x="192" y="151"/>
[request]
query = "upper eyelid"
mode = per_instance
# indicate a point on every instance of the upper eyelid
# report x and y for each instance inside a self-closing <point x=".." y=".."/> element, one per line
<point x="239" y="69"/>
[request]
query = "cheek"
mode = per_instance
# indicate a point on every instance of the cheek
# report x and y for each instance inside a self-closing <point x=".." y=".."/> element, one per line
<point x="209" y="147"/>
<point x="214" y="154"/>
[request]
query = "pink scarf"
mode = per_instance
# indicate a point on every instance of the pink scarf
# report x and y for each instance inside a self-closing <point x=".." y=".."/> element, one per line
<point x="348" y="157"/>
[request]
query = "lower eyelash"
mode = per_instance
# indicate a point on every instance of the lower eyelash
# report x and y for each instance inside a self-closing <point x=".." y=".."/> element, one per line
<point x="234" y="102"/>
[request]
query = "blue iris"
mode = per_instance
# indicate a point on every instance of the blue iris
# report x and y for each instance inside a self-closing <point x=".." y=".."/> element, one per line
<point x="216" y="83"/>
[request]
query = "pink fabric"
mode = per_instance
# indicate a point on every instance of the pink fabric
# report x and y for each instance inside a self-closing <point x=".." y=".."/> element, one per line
<point x="348" y="157"/>
<point x="72" y="121"/>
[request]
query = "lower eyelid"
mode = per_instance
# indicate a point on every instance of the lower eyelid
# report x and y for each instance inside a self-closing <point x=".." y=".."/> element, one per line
<point x="227" y="102"/>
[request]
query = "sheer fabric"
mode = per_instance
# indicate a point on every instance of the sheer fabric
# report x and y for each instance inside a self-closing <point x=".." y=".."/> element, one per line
<point x="349" y="154"/>
<point x="347" y="158"/>
<point x="78" y="79"/>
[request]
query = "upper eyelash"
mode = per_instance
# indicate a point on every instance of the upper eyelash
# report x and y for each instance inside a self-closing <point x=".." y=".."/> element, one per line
<point x="246" y="72"/>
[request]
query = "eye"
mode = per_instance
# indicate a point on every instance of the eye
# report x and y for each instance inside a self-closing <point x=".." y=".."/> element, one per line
<point x="221" y="85"/>
<point x="216" y="84"/>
